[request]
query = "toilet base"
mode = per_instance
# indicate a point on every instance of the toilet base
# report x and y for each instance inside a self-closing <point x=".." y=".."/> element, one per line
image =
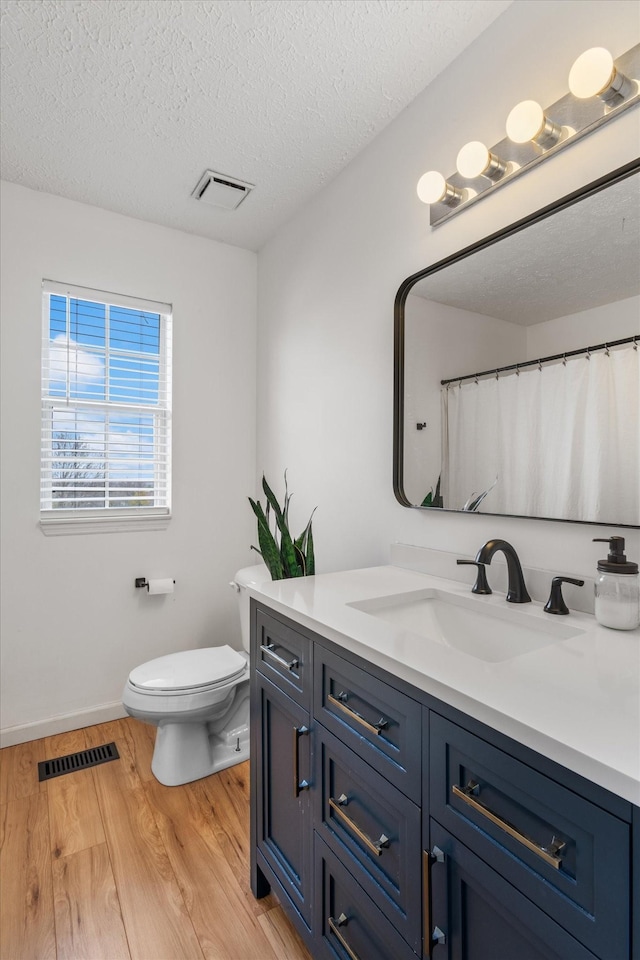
<point x="186" y="751"/>
<point x="190" y="751"/>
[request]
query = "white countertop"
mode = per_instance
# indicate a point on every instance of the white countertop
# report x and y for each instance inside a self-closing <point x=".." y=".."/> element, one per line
<point x="576" y="701"/>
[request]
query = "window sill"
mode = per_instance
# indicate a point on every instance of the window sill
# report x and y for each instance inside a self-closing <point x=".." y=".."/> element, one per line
<point x="69" y="526"/>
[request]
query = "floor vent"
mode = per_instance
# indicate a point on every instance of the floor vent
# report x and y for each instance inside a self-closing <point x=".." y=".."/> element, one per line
<point x="48" y="769"/>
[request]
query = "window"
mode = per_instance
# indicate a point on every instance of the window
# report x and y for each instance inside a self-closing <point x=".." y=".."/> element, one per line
<point x="106" y="407"/>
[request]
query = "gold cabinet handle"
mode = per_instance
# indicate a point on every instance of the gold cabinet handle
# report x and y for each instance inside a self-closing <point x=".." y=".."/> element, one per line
<point x="549" y="856"/>
<point x="372" y="728"/>
<point x="298" y="784"/>
<point x="333" y="926"/>
<point x="376" y="846"/>
<point x="269" y="649"/>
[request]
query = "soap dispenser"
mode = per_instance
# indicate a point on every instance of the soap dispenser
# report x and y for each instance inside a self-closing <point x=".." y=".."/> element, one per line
<point x="617" y="588"/>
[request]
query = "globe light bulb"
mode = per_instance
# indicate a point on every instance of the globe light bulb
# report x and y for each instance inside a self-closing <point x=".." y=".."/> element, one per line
<point x="475" y="160"/>
<point x="433" y="188"/>
<point x="527" y="122"/>
<point x="594" y="75"/>
<point x="591" y="73"/>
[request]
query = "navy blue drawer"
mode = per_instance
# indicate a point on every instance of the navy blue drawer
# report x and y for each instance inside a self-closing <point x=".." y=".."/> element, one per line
<point x="283" y="655"/>
<point x="374" y="829"/>
<point x="347" y="923"/>
<point x="567" y="855"/>
<point x="381" y="724"/>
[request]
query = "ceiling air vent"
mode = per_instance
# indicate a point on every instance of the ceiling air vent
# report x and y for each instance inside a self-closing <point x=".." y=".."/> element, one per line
<point x="221" y="191"/>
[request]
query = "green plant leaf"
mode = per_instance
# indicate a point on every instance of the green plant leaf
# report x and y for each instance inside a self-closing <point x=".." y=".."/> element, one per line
<point x="287" y="551"/>
<point x="437" y="497"/>
<point x="268" y="546"/>
<point x="287" y="500"/>
<point x="311" y="560"/>
<point x="268" y="549"/>
<point x="271" y="498"/>
<point x="301" y="559"/>
<point x="304" y="543"/>
<point x="301" y="541"/>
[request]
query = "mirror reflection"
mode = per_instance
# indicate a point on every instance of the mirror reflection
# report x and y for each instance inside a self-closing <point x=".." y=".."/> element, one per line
<point x="502" y="409"/>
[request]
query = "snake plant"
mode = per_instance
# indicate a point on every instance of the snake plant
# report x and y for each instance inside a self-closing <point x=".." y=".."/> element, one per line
<point x="284" y="556"/>
<point x="433" y="499"/>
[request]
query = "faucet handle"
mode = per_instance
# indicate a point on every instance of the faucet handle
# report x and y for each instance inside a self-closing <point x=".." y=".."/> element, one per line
<point x="555" y="603"/>
<point x="481" y="585"/>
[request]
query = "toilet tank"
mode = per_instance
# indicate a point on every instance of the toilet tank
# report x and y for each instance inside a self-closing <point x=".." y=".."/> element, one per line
<point x="248" y="575"/>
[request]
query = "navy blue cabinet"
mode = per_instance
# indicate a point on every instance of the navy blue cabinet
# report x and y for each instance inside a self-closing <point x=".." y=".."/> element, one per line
<point x="475" y="914"/>
<point x="563" y="852"/>
<point x="392" y="826"/>
<point x="281" y="766"/>
<point x="283" y="809"/>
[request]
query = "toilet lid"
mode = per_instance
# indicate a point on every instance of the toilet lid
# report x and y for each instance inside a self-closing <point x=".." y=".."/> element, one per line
<point x="189" y="669"/>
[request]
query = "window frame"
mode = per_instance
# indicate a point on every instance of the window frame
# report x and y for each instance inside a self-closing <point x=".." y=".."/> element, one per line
<point x="106" y="518"/>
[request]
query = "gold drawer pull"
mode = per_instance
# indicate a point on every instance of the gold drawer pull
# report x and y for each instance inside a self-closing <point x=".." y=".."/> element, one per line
<point x="549" y="856"/>
<point x="429" y="858"/>
<point x="333" y="926"/>
<point x="376" y="846"/>
<point x="269" y="649"/>
<point x="376" y="728"/>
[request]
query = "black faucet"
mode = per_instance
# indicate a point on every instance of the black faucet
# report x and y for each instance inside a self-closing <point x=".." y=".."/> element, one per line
<point x="481" y="585"/>
<point x="555" y="603"/>
<point x="517" y="592"/>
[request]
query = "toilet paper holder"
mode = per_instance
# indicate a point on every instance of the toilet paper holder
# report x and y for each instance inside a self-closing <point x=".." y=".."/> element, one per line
<point x="143" y="582"/>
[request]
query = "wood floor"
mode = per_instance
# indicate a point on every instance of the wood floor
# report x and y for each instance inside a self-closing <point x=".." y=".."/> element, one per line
<point x="107" y="864"/>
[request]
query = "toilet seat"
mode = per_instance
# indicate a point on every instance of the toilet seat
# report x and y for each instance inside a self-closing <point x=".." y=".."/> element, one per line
<point x="190" y="671"/>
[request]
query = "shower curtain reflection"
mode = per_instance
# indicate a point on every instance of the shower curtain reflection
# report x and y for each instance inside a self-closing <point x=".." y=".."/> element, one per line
<point x="563" y="439"/>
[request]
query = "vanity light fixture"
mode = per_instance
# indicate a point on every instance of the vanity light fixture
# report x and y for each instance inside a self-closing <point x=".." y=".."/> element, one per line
<point x="433" y="188"/>
<point x="475" y="160"/>
<point x="528" y="122"/>
<point x="594" y="75"/>
<point x="600" y="89"/>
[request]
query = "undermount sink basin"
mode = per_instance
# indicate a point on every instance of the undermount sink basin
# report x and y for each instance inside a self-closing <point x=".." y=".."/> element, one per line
<point x="468" y="624"/>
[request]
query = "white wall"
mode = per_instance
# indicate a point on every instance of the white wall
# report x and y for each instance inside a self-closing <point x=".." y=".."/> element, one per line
<point x="611" y="321"/>
<point x="328" y="279"/>
<point x="73" y="624"/>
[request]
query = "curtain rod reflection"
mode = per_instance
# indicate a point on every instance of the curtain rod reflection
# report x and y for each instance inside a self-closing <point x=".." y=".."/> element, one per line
<point x="533" y="363"/>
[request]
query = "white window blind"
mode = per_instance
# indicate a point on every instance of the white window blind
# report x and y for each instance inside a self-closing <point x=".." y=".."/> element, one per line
<point x="106" y="405"/>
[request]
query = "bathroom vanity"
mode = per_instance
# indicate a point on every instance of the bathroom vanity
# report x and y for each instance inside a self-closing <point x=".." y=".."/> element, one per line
<point x="416" y="795"/>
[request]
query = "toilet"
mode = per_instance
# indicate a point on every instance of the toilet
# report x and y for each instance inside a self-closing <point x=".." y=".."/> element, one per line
<point x="199" y="701"/>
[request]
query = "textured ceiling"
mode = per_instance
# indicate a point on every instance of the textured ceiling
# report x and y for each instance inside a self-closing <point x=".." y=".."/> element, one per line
<point x="581" y="257"/>
<point x="124" y="103"/>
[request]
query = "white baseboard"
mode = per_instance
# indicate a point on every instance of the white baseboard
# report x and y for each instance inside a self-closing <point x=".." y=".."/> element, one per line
<point x="9" y="736"/>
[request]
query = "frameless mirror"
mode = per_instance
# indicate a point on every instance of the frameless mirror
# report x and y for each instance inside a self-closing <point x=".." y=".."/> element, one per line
<point x="517" y="367"/>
